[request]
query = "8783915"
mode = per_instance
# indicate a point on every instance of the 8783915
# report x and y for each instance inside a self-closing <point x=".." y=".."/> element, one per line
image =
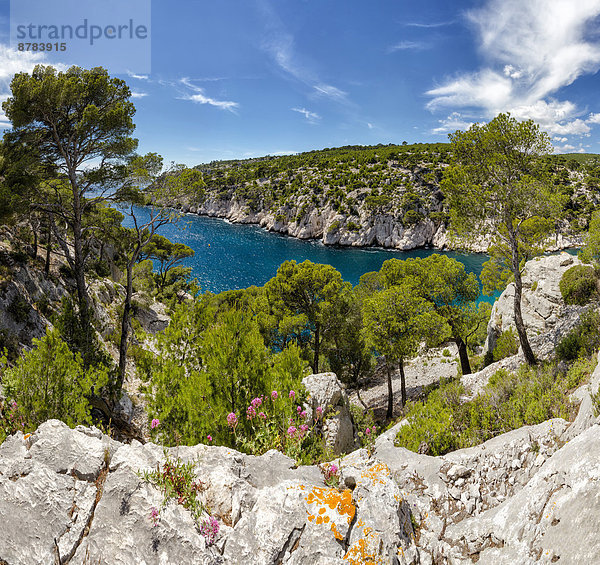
<point x="42" y="46"/>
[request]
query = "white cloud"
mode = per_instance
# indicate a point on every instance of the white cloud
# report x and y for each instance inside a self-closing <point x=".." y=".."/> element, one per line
<point x="330" y="91"/>
<point x="532" y="49"/>
<point x="429" y="25"/>
<point x="138" y="77"/>
<point x="594" y="119"/>
<point x="312" y="117"/>
<point x="453" y="122"/>
<point x="136" y="94"/>
<point x="279" y="44"/>
<point x="483" y="89"/>
<point x="199" y="97"/>
<point x="409" y="46"/>
<point x="370" y="125"/>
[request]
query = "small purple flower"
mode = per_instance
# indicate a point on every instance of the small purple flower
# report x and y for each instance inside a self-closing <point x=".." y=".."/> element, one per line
<point x="154" y="516"/>
<point x="319" y="411"/>
<point x="368" y="431"/>
<point x="262" y="415"/>
<point x="292" y="431"/>
<point x="292" y="394"/>
<point x="274" y="395"/>
<point x="256" y="402"/>
<point x="298" y="409"/>
<point x="209" y="530"/>
<point x="232" y="420"/>
<point x="250" y="412"/>
<point x="333" y="469"/>
<point x="303" y="414"/>
<point x="155" y="423"/>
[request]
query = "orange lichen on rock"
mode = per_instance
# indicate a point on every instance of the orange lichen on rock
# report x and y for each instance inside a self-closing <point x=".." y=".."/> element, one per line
<point x="336" y="532"/>
<point x="364" y="550"/>
<point x="376" y="473"/>
<point x="330" y="506"/>
<point x="334" y="499"/>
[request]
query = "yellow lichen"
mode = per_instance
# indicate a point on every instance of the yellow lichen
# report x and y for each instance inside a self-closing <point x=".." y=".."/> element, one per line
<point x="376" y="472"/>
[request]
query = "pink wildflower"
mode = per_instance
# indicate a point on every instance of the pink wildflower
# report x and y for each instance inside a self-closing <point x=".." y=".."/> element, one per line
<point x="274" y="395"/>
<point x="155" y="423"/>
<point x="250" y="412"/>
<point x="368" y="431"/>
<point x="209" y="438"/>
<point x="232" y="420"/>
<point x="262" y="415"/>
<point x="209" y="530"/>
<point x="333" y="469"/>
<point x="256" y="402"/>
<point x="154" y="516"/>
<point x="299" y="409"/>
<point x="319" y="411"/>
<point x="292" y="394"/>
<point x="303" y="414"/>
<point x="292" y="431"/>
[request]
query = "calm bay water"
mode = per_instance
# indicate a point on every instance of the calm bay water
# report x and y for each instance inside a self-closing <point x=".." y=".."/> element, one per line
<point x="232" y="256"/>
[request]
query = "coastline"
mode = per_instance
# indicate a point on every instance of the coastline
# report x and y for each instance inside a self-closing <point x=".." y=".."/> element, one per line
<point x="381" y="232"/>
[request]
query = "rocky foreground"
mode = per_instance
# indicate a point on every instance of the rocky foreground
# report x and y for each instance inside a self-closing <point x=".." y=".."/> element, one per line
<point x="528" y="496"/>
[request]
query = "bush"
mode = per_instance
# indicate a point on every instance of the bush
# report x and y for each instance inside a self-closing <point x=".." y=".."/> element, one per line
<point x="506" y="345"/>
<point x="582" y="340"/>
<point x="19" y="309"/>
<point x="509" y="401"/>
<point x="51" y="382"/>
<point x="579" y="285"/>
<point x="213" y="377"/>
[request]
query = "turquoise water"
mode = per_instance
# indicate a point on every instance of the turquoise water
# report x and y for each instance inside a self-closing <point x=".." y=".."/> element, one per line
<point x="231" y="256"/>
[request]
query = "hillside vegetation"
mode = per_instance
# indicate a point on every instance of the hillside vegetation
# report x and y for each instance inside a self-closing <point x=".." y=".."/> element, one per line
<point x="385" y="195"/>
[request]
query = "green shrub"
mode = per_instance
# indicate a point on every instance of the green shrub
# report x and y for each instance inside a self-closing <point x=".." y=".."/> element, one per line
<point x="509" y="401"/>
<point x="176" y="481"/>
<point x="578" y="285"/>
<point x="51" y="382"/>
<point x="19" y="309"/>
<point x="506" y="345"/>
<point x="582" y="340"/>
<point x="353" y="226"/>
<point x="221" y="386"/>
<point x="334" y="226"/>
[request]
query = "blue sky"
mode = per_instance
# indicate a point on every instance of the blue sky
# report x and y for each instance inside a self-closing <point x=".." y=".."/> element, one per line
<point x="245" y="78"/>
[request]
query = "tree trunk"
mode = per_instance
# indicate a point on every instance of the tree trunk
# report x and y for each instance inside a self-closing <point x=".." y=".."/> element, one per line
<point x="317" y="344"/>
<point x="125" y="325"/>
<point x="516" y="269"/>
<point x="48" y="249"/>
<point x="463" y="355"/>
<point x="35" y="242"/>
<point x="402" y="383"/>
<point x="78" y="267"/>
<point x="390" y="407"/>
<point x="527" y="351"/>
